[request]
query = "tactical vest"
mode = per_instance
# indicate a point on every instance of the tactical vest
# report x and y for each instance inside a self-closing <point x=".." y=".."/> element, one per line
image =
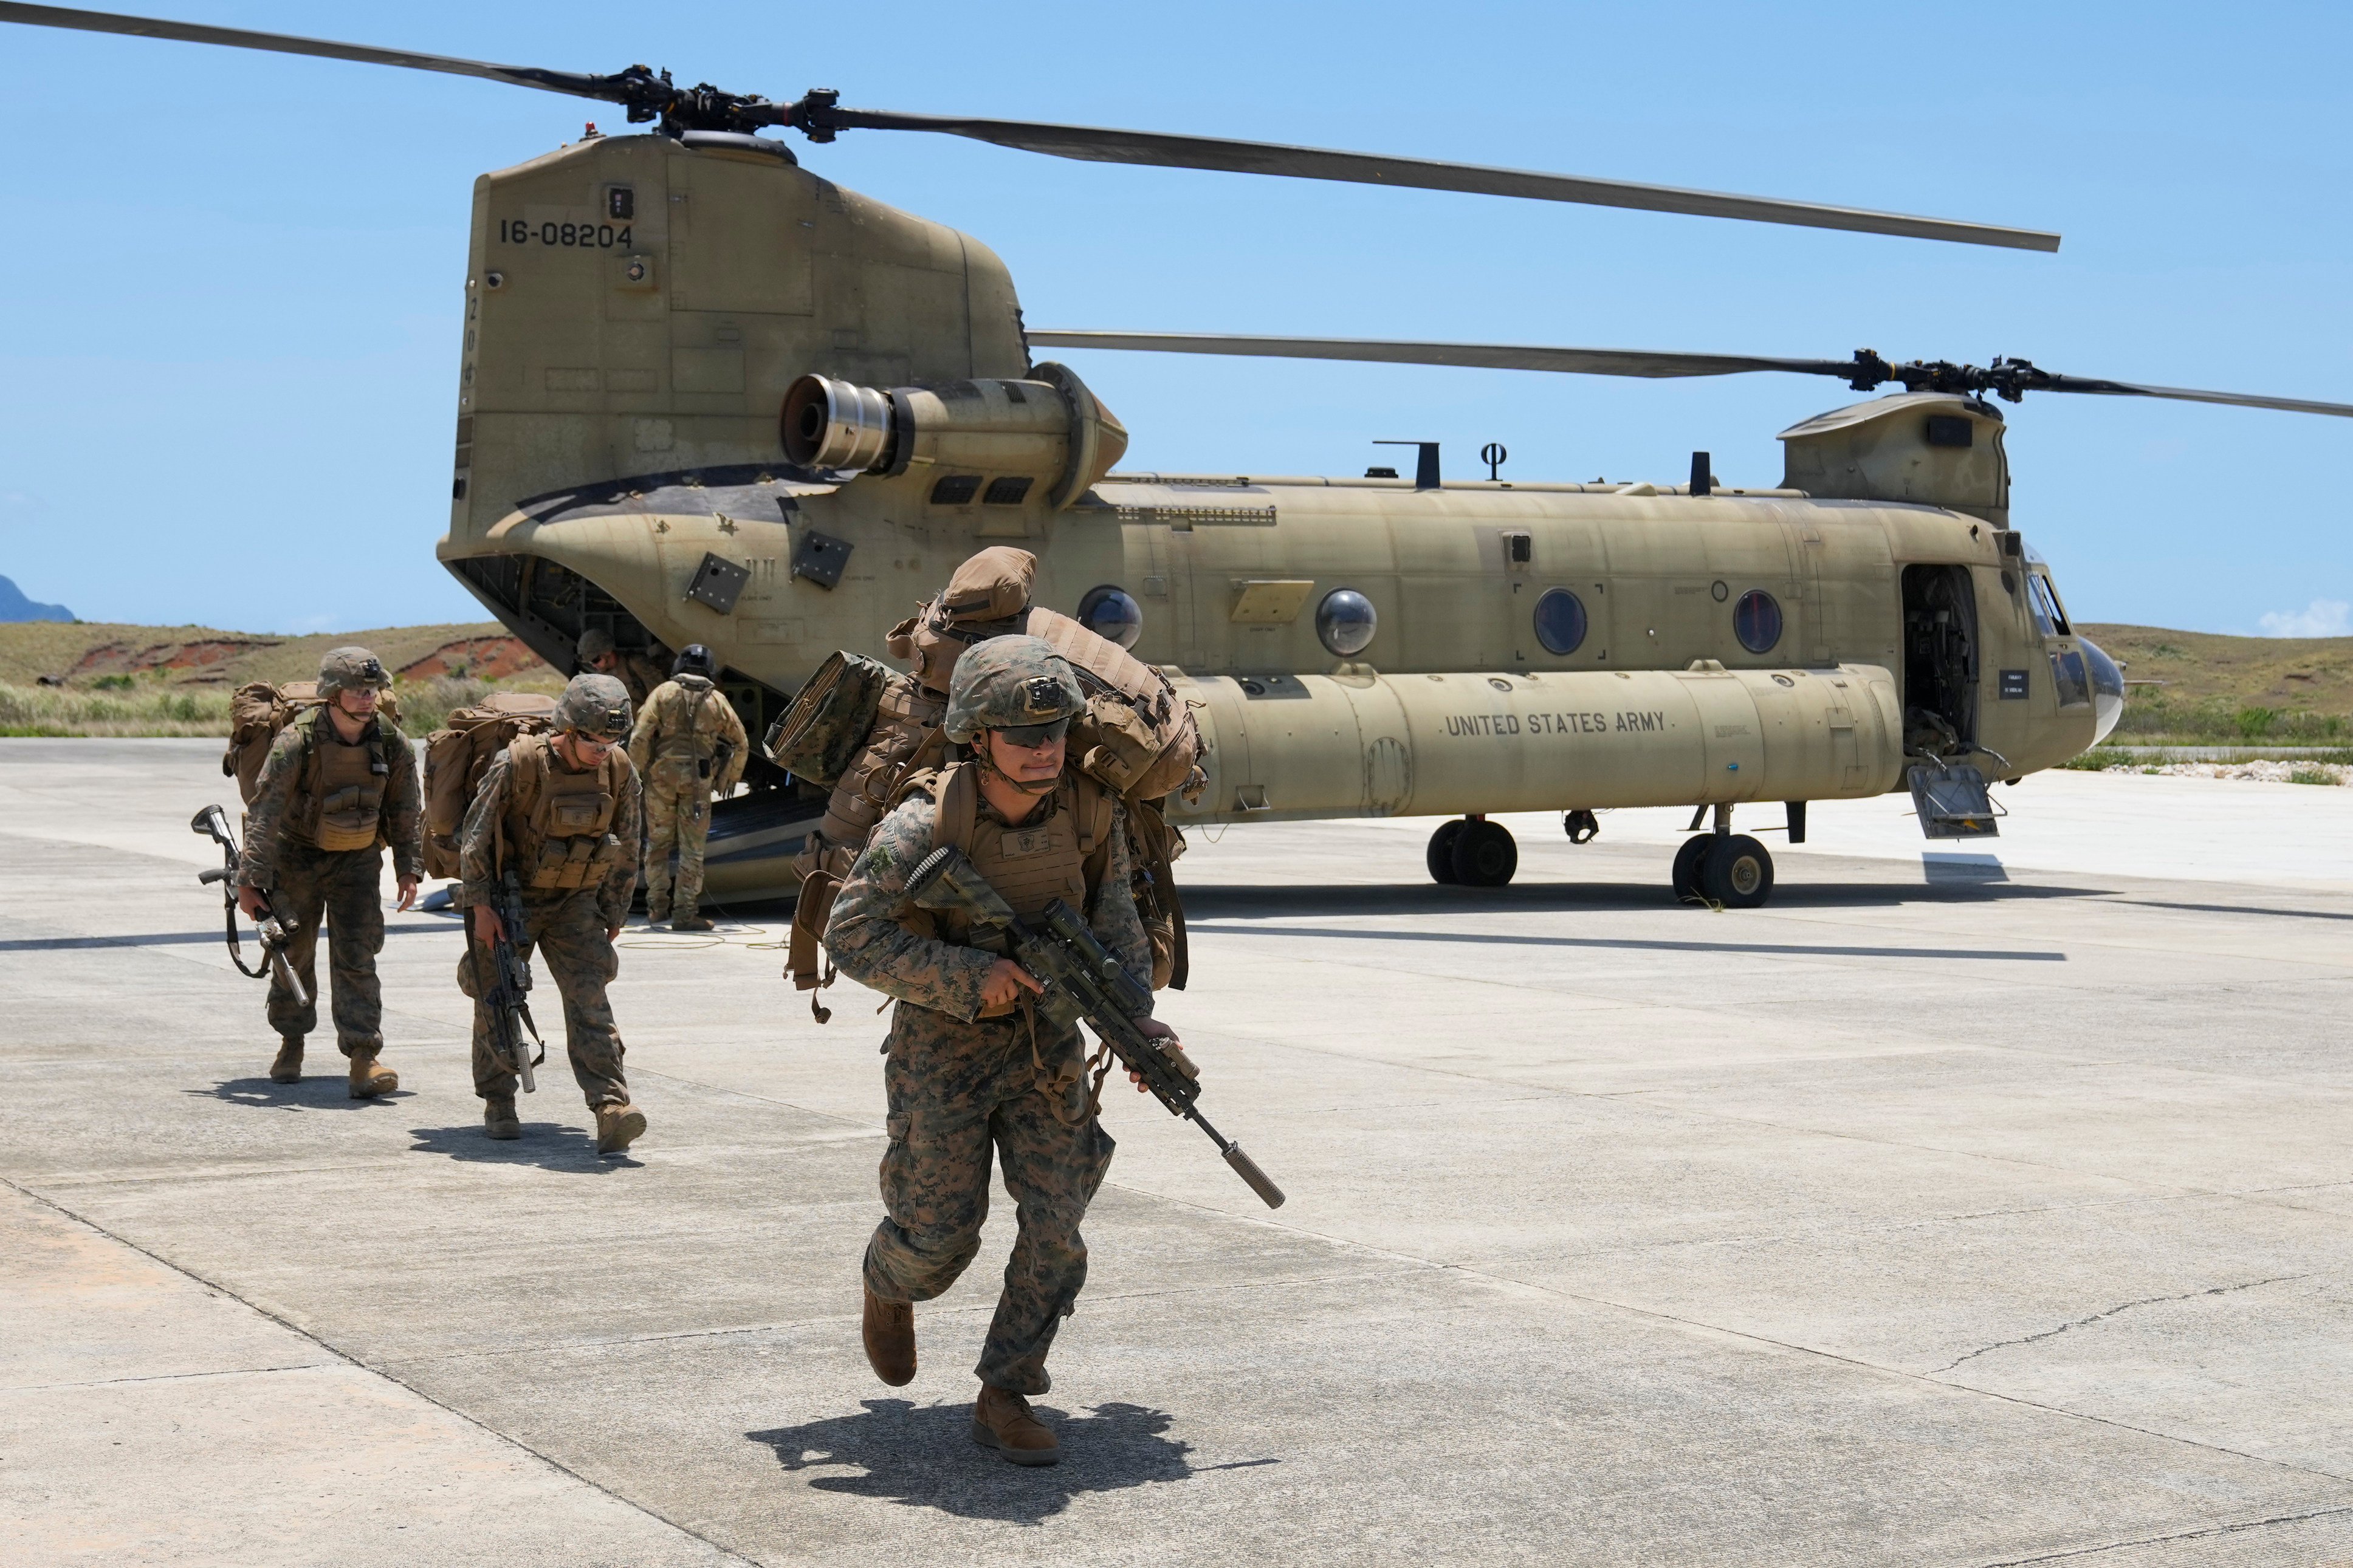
<point x="339" y="799"/>
<point x="558" y="825"/>
<point x="1062" y="856"/>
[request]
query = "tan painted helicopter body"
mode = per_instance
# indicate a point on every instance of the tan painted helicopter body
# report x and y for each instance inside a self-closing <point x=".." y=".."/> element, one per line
<point x="640" y="308"/>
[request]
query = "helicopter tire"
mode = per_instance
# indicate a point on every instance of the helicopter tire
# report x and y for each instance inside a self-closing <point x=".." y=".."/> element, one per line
<point x="1685" y="876"/>
<point x="1440" y="856"/>
<point x="1484" y="855"/>
<point x="1737" y="873"/>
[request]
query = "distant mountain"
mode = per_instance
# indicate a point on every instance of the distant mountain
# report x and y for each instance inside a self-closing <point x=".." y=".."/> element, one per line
<point x="15" y="607"/>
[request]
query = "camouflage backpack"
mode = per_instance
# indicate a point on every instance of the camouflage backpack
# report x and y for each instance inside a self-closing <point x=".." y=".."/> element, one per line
<point x="458" y="755"/>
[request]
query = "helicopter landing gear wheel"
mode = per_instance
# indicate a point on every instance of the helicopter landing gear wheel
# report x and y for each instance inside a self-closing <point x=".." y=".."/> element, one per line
<point x="1440" y="856"/>
<point x="1736" y="872"/>
<point x="1484" y="855"/>
<point x="1688" y="859"/>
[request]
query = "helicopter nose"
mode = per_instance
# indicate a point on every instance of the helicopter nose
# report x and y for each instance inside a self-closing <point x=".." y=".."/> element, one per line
<point x="2108" y="687"/>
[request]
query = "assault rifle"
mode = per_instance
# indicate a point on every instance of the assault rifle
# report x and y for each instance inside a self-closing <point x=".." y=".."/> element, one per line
<point x="508" y="994"/>
<point x="1082" y="979"/>
<point x="214" y="824"/>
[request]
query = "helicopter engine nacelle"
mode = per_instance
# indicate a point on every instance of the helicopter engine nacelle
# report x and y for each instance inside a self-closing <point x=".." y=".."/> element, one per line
<point x="1932" y="448"/>
<point x="1049" y="431"/>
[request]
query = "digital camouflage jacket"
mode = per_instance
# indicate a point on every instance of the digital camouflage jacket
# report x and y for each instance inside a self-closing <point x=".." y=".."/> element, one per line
<point x="478" y="868"/>
<point x="869" y="943"/>
<point x="403" y="811"/>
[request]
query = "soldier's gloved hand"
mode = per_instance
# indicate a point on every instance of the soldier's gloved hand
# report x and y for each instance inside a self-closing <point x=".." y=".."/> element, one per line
<point x="248" y="900"/>
<point x="408" y="894"/>
<point x="488" y="927"/>
<point x="1151" y="1030"/>
<point x="1005" y="983"/>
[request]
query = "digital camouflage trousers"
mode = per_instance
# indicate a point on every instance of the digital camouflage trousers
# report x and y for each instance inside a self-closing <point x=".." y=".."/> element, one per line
<point x="957" y="1092"/>
<point x="567" y="930"/>
<point x="343" y="889"/>
<point x="677" y="818"/>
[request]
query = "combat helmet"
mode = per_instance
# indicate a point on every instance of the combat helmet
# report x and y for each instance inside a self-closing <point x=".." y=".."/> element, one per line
<point x="695" y="659"/>
<point x="352" y="669"/>
<point x="596" y="706"/>
<point x="1016" y="683"/>
<point x="594" y="643"/>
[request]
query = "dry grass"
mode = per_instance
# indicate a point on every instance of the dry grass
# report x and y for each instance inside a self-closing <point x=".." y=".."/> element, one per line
<point x="154" y="707"/>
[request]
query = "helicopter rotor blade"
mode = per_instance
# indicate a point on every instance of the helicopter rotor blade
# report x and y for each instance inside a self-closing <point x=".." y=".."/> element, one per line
<point x="1092" y="144"/>
<point x="570" y="82"/>
<point x="1477" y="356"/>
<point x="2008" y="379"/>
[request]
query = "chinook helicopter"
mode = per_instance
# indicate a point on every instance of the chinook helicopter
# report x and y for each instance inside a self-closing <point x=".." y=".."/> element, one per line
<point x="706" y="395"/>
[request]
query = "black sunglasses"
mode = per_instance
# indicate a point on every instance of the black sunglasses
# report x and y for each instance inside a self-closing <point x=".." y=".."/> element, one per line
<point x="1029" y="737"/>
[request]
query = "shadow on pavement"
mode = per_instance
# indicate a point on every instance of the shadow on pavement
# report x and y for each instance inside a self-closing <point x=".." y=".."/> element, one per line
<point x="546" y="1144"/>
<point x="923" y="1456"/>
<point x="1208" y="902"/>
<point x="328" y="1090"/>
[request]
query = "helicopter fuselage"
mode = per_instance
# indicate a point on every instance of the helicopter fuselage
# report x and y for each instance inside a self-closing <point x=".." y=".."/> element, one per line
<point x="639" y="308"/>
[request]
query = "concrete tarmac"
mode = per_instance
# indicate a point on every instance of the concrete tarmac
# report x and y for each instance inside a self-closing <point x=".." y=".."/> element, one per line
<point x="1991" y="1207"/>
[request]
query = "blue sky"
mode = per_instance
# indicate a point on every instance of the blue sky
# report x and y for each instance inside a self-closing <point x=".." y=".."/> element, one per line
<point x="232" y="280"/>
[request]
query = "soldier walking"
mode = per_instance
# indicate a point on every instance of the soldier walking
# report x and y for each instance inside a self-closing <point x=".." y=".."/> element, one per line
<point x="338" y="784"/>
<point x="972" y="1067"/>
<point x="556" y="820"/>
<point x="690" y="746"/>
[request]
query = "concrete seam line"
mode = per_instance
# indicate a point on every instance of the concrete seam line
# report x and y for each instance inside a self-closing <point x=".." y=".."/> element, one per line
<point x="357" y="1365"/>
<point x="2230" y="1528"/>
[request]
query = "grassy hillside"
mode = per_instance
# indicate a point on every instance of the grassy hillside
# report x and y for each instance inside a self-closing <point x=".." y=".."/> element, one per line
<point x="70" y="679"/>
<point x="2227" y="691"/>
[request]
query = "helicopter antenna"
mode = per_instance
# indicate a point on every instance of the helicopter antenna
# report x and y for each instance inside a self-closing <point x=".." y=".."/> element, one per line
<point x="2008" y="379"/>
<point x="649" y="96"/>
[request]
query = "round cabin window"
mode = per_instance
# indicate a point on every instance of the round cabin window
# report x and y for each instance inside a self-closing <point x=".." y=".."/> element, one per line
<point x="1345" y="621"/>
<point x="1560" y="621"/>
<point x="1757" y="621"/>
<point x="1112" y="615"/>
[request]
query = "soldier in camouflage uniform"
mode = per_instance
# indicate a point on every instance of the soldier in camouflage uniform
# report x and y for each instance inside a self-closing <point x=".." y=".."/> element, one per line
<point x="639" y="672"/>
<point x="972" y="1067"/>
<point x="338" y="784"/>
<point x="689" y="746"/>
<point x="557" y="817"/>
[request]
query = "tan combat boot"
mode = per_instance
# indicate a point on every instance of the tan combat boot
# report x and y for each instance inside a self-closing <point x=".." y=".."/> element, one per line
<point x="371" y="1078"/>
<point x="693" y="920"/>
<point x="617" y="1127"/>
<point x="288" y="1067"/>
<point x="889" y="1334"/>
<point x="1001" y="1420"/>
<point x="499" y="1119"/>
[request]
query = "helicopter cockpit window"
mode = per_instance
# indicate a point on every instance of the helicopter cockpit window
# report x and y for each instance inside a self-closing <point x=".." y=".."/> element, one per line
<point x="1560" y="621"/>
<point x="2049" y="618"/>
<point x="1757" y="621"/>
<point x="1112" y="615"/>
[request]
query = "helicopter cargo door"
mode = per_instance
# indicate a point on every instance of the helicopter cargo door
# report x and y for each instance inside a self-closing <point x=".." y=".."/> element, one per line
<point x="1941" y="658"/>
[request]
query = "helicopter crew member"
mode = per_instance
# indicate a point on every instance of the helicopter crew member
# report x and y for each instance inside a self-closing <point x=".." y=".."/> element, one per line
<point x="338" y="784"/>
<point x="558" y="813"/>
<point x="972" y="1067"/>
<point x="690" y="746"/>
<point x="639" y="672"/>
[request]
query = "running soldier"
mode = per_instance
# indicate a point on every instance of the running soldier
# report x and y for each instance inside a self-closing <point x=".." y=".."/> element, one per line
<point x="340" y="784"/>
<point x="555" y="823"/>
<point x="689" y="747"/>
<point x="971" y="1066"/>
